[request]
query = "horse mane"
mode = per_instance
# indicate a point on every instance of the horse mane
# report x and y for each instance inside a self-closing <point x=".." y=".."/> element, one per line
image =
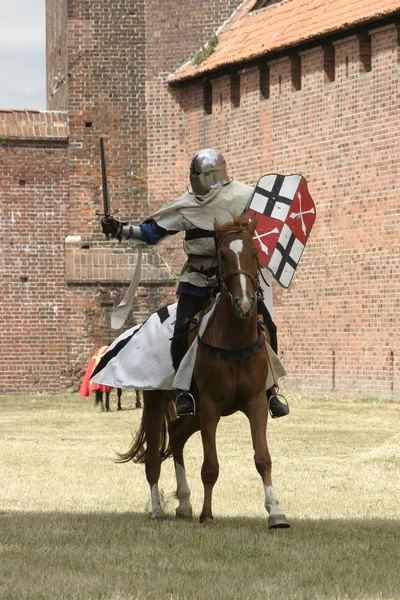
<point x="238" y="222"/>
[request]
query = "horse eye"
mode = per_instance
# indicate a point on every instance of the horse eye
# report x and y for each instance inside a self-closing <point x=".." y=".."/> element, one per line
<point x="223" y="256"/>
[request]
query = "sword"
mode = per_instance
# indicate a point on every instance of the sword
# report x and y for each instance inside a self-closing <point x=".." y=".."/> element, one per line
<point x="106" y="199"/>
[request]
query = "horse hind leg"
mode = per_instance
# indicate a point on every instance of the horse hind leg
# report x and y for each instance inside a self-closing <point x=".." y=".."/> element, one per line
<point x="258" y="416"/>
<point x="155" y="408"/>
<point x="180" y="431"/>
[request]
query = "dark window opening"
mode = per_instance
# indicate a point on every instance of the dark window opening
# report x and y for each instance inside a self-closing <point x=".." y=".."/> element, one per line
<point x="329" y="64"/>
<point x="295" y="72"/>
<point x="88" y="123"/>
<point x="347" y="66"/>
<point x="235" y="90"/>
<point x="207" y="97"/>
<point x="22" y="182"/>
<point x="365" y="53"/>
<point x="264" y="82"/>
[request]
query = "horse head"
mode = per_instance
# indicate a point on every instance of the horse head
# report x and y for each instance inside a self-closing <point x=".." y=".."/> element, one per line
<point x="238" y="263"/>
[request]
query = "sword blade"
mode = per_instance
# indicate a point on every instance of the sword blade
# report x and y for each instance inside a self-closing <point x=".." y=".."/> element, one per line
<point x="106" y="200"/>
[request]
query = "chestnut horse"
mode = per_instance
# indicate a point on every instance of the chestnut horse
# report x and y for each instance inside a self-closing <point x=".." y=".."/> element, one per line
<point x="230" y="371"/>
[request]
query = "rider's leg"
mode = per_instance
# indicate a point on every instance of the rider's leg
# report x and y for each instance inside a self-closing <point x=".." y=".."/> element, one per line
<point x="276" y="407"/>
<point x="188" y="306"/>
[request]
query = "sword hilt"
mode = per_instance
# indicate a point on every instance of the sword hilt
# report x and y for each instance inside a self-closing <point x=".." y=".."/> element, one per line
<point x="99" y="214"/>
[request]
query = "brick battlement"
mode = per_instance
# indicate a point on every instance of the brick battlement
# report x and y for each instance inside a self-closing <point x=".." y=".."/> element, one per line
<point x="33" y="124"/>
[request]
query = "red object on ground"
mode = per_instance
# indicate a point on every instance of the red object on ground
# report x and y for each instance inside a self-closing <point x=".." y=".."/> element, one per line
<point x="88" y="386"/>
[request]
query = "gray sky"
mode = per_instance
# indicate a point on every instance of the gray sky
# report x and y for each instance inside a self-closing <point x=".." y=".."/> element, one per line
<point x="22" y="54"/>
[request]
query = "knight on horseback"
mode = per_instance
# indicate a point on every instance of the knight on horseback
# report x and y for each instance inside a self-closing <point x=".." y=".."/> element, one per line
<point x="213" y="195"/>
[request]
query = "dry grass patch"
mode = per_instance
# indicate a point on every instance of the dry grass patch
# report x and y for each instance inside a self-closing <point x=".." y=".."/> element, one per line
<point x="74" y="524"/>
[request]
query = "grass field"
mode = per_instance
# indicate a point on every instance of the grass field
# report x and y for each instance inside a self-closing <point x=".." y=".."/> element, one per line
<point x="74" y="525"/>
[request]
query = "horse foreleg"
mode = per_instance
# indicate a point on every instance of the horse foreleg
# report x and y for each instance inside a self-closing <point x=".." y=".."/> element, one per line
<point x="210" y="470"/>
<point x="119" y="395"/>
<point x="257" y="414"/>
<point x="180" y="431"/>
<point x="155" y="407"/>
<point x="107" y="401"/>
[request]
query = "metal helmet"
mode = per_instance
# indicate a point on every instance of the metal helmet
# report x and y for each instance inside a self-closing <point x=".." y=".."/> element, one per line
<point x="208" y="171"/>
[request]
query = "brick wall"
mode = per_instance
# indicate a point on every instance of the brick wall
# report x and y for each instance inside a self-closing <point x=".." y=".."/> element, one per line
<point x="116" y="59"/>
<point x="339" y="320"/>
<point x="33" y="225"/>
<point x="327" y="111"/>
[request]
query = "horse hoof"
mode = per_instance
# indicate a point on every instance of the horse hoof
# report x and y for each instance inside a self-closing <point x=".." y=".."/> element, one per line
<point x="278" y="522"/>
<point x="208" y="522"/>
<point x="184" y="514"/>
<point x="157" y="517"/>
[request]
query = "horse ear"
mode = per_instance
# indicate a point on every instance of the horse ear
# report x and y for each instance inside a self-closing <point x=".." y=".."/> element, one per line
<point x="253" y="223"/>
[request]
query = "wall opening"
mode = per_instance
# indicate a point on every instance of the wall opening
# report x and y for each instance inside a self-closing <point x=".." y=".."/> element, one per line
<point x="329" y="64"/>
<point x="235" y="90"/>
<point x="207" y="97"/>
<point x="365" y="53"/>
<point x="295" y="72"/>
<point x="264" y="82"/>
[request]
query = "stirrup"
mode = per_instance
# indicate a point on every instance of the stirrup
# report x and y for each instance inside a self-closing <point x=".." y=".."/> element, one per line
<point x="283" y="407"/>
<point x="185" y="404"/>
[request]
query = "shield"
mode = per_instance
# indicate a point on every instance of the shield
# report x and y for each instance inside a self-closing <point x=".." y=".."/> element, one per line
<point x="285" y="216"/>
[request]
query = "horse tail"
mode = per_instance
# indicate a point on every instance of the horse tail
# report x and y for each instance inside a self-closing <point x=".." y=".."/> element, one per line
<point x="158" y="400"/>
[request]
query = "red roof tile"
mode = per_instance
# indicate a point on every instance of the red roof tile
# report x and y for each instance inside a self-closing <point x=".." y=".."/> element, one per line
<point x="248" y="35"/>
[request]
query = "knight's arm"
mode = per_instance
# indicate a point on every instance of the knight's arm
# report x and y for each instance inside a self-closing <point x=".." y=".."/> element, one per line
<point x="149" y="232"/>
<point x="146" y="233"/>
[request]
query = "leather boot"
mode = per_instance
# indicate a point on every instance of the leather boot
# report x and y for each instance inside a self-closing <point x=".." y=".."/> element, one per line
<point x="277" y="408"/>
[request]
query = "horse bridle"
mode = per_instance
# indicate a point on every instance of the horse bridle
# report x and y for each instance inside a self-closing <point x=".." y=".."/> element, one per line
<point x="223" y="280"/>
